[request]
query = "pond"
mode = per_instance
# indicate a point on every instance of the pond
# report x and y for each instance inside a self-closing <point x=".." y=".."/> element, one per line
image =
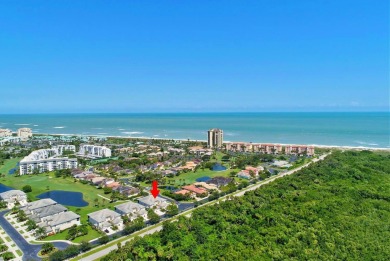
<point x="68" y="198"/>
<point x="203" y="179"/>
<point x="218" y="167"/>
<point x="4" y="188"/>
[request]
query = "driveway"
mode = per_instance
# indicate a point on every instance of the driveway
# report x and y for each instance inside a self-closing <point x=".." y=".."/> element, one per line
<point x="30" y="251"/>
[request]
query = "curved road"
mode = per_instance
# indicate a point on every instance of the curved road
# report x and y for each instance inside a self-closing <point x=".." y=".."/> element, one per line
<point x="30" y="251"/>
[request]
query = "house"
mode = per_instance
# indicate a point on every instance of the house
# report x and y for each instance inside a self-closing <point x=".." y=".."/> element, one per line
<point x="196" y="190"/>
<point x="219" y="181"/>
<point x="281" y="164"/>
<point x="14" y="197"/>
<point x="151" y="202"/>
<point x="132" y="210"/>
<point x="244" y="174"/>
<point x="185" y="192"/>
<point x="44" y="213"/>
<point x="126" y="190"/>
<point x="105" y="219"/>
<point x="98" y="180"/>
<point x="206" y="186"/>
<point x="254" y="170"/>
<point x="35" y="205"/>
<point x="60" y="222"/>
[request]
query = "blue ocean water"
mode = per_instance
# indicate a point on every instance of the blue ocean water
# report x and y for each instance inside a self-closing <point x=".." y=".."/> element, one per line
<point x="324" y="128"/>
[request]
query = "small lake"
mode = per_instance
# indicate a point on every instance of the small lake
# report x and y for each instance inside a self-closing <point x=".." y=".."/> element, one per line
<point x="4" y="188"/>
<point x="68" y="198"/>
<point x="203" y="179"/>
<point x="218" y="167"/>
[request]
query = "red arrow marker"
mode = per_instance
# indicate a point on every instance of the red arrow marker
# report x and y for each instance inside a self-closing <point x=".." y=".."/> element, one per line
<point x="154" y="189"/>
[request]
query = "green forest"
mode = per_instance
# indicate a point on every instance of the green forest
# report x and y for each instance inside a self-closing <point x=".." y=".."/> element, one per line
<point x="336" y="209"/>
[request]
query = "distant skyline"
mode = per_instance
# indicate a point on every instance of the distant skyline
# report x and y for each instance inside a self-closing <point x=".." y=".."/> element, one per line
<point x="193" y="56"/>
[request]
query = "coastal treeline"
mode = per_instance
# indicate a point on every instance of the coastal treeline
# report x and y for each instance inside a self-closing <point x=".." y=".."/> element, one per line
<point x="336" y="209"/>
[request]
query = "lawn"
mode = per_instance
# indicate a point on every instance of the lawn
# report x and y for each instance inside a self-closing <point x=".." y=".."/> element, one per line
<point x="190" y="177"/>
<point x="9" y="164"/>
<point x="44" y="182"/>
<point x="92" y="234"/>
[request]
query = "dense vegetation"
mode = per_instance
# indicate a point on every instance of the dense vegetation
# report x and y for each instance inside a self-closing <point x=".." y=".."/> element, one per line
<point x="337" y="209"/>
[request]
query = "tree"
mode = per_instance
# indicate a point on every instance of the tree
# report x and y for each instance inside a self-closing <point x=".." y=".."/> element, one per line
<point x="103" y="240"/>
<point x="85" y="246"/>
<point x="153" y="217"/>
<point x="40" y="232"/>
<point x="172" y="210"/>
<point x="47" y="248"/>
<point x="27" y="188"/>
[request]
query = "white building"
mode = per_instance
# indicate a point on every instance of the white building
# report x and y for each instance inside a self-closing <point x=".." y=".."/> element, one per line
<point x="105" y="219"/>
<point x="50" y="215"/>
<point x="63" y="221"/>
<point x="132" y="210"/>
<point x="215" y="138"/>
<point x="13" y="197"/>
<point x="24" y="133"/>
<point x="5" y="133"/>
<point x="47" y="160"/>
<point x="8" y="140"/>
<point x="93" y="151"/>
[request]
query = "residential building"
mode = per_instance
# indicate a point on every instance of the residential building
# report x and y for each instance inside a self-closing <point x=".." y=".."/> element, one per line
<point x="47" y="160"/>
<point x="24" y="133"/>
<point x="299" y="150"/>
<point x="132" y="210"/>
<point x="244" y="174"/>
<point x="35" y="205"/>
<point x="105" y="219"/>
<point x="14" y="197"/>
<point x="215" y="138"/>
<point x="8" y="140"/>
<point x="197" y="190"/>
<point x="44" y="213"/>
<point x="61" y="221"/>
<point x="151" y="202"/>
<point x="92" y="151"/>
<point x="5" y="133"/>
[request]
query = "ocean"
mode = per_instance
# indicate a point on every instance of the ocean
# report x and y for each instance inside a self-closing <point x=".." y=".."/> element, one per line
<point x="325" y="128"/>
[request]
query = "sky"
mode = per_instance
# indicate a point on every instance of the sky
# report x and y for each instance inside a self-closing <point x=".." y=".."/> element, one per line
<point x="193" y="56"/>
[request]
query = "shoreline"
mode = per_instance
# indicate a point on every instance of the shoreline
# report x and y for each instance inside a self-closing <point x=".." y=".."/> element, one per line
<point x="175" y="139"/>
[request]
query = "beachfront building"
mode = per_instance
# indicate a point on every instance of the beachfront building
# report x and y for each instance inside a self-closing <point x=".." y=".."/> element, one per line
<point x="215" y="138"/>
<point x="47" y="160"/>
<point x="132" y="210"/>
<point x="5" y="133"/>
<point x="14" y="197"/>
<point x="92" y="151"/>
<point x="269" y="148"/>
<point x="62" y="148"/>
<point x="299" y="150"/>
<point x="9" y="140"/>
<point x="24" y="133"/>
<point x="105" y="220"/>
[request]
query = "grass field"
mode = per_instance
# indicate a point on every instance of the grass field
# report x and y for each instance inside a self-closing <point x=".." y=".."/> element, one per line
<point x="9" y="164"/>
<point x="44" y="182"/>
<point x="190" y="177"/>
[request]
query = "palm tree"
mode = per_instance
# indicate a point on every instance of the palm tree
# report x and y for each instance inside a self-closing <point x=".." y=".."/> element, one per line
<point x="40" y="232"/>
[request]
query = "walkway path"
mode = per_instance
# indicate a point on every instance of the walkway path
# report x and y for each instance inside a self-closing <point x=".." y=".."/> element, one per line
<point x="107" y="250"/>
<point x="30" y="251"/>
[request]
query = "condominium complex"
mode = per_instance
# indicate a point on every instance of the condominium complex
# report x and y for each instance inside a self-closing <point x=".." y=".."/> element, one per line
<point x="215" y="138"/>
<point x="269" y="148"/>
<point x="92" y="151"/>
<point x="24" y="133"/>
<point x="47" y="160"/>
<point x="5" y="133"/>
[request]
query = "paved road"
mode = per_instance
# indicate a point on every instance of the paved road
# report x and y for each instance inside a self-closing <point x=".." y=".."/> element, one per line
<point x="30" y="251"/>
<point x="187" y="213"/>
